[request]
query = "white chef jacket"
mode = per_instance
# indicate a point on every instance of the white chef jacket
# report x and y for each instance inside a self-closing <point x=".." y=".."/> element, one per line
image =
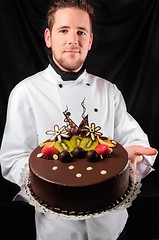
<point x="35" y="105"/>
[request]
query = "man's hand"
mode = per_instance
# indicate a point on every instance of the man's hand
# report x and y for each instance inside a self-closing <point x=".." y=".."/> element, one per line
<point x="135" y="153"/>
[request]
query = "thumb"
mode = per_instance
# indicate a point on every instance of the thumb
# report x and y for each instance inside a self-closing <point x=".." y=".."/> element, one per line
<point x="136" y="159"/>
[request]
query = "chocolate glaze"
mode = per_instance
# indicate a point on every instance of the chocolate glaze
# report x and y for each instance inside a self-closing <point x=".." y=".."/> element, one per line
<point x="79" y="186"/>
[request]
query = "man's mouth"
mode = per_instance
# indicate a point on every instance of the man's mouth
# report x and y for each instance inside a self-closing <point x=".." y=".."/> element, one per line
<point x="74" y="51"/>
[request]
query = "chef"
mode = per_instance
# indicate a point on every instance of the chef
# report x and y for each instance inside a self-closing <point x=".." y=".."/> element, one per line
<point x="37" y="103"/>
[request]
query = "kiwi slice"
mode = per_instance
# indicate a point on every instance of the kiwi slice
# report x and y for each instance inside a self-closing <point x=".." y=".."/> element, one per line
<point x="75" y="141"/>
<point x="88" y="144"/>
<point x="63" y="145"/>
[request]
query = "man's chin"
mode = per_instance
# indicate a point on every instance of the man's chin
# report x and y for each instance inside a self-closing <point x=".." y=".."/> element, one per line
<point x="72" y="67"/>
<point x="69" y="64"/>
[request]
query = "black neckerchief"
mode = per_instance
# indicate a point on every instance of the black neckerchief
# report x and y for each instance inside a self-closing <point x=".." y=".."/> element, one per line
<point x="66" y="76"/>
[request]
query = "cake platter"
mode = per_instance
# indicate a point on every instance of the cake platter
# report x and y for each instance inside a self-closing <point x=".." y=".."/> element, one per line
<point x="124" y="202"/>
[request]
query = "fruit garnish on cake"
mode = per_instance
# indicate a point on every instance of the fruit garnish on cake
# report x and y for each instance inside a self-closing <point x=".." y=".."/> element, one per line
<point x="72" y="141"/>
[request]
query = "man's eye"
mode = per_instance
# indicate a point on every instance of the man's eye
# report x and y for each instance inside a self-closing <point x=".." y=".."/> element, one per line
<point x="80" y="33"/>
<point x="63" y="31"/>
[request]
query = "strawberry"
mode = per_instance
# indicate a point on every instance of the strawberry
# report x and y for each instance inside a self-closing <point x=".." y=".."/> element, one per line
<point x="103" y="150"/>
<point x="48" y="152"/>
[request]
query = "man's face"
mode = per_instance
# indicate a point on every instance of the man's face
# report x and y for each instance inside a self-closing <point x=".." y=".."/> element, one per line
<point x="70" y="38"/>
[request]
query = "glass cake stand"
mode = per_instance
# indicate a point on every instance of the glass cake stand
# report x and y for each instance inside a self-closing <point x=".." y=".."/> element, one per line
<point x="124" y="202"/>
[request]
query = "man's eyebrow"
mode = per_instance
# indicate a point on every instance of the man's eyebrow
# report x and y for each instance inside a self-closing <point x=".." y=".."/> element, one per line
<point x="83" y="29"/>
<point x="63" y="27"/>
<point x="78" y="28"/>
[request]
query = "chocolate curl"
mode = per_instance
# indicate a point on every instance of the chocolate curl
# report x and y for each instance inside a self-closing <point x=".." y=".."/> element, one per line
<point x="84" y="109"/>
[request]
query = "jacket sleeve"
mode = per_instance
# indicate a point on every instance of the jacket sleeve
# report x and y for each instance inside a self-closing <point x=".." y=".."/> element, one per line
<point x="128" y="132"/>
<point x="19" y="136"/>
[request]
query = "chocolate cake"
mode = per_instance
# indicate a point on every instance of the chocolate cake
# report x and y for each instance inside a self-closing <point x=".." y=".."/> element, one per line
<point x="78" y="171"/>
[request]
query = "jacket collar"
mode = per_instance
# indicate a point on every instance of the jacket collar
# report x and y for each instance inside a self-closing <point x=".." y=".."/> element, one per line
<point x="66" y="76"/>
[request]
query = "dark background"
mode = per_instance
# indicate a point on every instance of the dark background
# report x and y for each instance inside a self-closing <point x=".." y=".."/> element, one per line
<point x="125" y="51"/>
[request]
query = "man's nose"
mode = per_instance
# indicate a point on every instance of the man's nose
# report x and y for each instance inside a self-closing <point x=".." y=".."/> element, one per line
<point x="73" y="38"/>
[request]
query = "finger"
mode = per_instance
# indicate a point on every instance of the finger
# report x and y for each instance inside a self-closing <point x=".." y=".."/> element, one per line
<point x="148" y="151"/>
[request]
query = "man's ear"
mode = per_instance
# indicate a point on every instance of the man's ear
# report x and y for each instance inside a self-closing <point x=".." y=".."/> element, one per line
<point x="47" y="37"/>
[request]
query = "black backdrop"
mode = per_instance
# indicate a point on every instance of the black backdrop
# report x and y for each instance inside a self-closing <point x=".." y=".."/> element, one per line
<point x="125" y="51"/>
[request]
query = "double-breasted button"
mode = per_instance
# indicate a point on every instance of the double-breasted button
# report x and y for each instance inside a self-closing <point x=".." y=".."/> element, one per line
<point x="60" y="85"/>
